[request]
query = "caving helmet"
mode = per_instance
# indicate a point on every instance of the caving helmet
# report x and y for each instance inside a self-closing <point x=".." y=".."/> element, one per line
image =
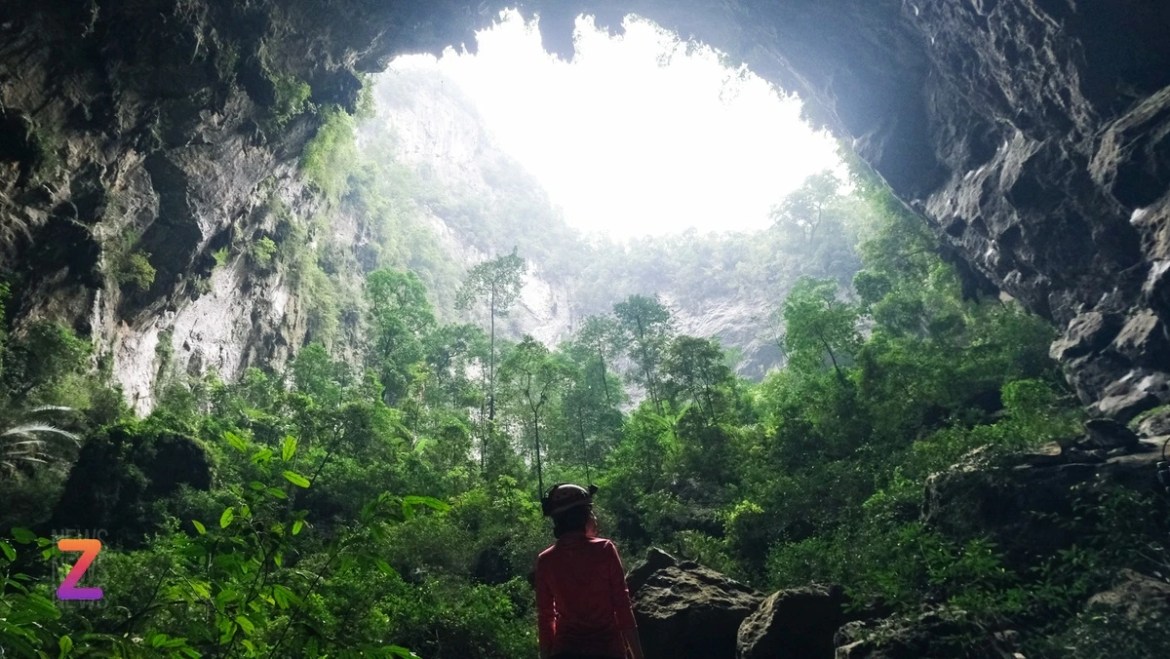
<point x="564" y="496"/>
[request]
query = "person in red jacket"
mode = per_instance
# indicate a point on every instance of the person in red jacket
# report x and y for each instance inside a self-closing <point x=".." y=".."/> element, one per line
<point x="582" y="601"/>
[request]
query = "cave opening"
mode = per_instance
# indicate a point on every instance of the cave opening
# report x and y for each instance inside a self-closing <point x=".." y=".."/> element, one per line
<point x="637" y="131"/>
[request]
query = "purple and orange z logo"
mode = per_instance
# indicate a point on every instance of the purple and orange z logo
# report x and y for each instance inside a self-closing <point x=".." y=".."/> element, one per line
<point x="89" y="550"/>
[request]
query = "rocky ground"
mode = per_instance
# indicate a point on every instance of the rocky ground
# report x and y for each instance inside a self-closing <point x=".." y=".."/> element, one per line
<point x="1024" y="505"/>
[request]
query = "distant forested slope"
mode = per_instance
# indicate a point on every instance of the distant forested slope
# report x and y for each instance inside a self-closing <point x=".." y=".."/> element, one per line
<point x="469" y="201"/>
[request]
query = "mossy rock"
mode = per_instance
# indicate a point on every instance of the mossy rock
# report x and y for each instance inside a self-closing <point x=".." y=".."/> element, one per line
<point x="122" y="474"/>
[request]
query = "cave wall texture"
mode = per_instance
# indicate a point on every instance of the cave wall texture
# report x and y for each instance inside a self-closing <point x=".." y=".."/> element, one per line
<point x="1034" y="135"/>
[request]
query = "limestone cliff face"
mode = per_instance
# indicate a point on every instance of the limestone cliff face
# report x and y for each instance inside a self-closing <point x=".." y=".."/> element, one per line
<point x="137" y="139"/>
<point x="425" y="123"/>
<point x="1031" y="133"/>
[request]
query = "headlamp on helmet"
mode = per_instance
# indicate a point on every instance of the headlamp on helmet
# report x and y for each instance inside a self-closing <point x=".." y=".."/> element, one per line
<point x="565" y="496"/>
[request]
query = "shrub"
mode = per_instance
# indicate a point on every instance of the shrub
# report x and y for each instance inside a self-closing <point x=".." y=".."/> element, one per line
<point x="328" y="158"/>
<point x="221" y="256"/>
<point x="292" y="98"/>
<point x="135" y="270"/>
<point x="263" y="253"/>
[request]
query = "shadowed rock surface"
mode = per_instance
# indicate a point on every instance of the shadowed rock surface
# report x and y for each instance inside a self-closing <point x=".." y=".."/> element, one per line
<point x="1025" y="504"/>
<point x="685" y="610"/>
<point x="939" y="633"/>
<point x="798" y="623"/>
<point x="123" y="472"/>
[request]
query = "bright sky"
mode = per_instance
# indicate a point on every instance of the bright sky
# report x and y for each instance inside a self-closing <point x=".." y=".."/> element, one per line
<point x="635" y="135"/>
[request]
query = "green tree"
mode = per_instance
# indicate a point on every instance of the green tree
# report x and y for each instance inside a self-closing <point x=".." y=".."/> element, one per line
<point x="533" y="379"/>
<point x="601" y="337"/>
<point x="590" y="419"/>
<point x="450" y="352"/>
<point x="694" y="370"/>
<point x="645" y="325"/>
<point x="399" y="317"/>
<point x="819" y="326"/>
<point x="808" y="210"/>
<point x="816" y="229"/>
<point x="316" y="374"/>
<point x="497" y="283"/>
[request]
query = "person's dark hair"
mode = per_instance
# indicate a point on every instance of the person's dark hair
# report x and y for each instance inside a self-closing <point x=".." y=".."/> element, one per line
<point x="573" y="519"/>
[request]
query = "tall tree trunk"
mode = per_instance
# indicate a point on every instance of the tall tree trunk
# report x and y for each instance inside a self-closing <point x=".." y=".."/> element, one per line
<point x="536" y="434"/>
<point x="833" y="358"/>
<point x="483" y="431"/>
<point x="710" y="403"/>
<point x="584" y="444"/>
<point x="535" y="407"/>
<point x="646" y="367"/>
<point x="492" y="361"/>
<point x="604" y="376"/>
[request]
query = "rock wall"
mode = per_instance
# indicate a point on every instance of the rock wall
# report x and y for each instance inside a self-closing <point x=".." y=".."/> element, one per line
<point x="139" y="138"/>
<point x="1032" y="134"/>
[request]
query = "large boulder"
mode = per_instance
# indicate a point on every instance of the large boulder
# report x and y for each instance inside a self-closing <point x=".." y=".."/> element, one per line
<point x="655" y="560"/>
<point x="1136" y="596"/>
<point x="687" y="611"/>
<point x="123" y="475"/>
<point x="798" y="623"/>
<point x="1130" y="619"/>
<point x="938" y="633"/>
<point x="1155" y="422"/>
<point x="1023" y="502"/>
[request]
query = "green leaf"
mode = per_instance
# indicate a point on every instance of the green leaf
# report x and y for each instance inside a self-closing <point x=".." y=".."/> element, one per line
<point x="402" y="653"/>
<point x="385" y="567"/>
<point x="199" y="527"/>
<point x="158" y="640"/>
<point x="295" y="478"/>
<point x="283" y="596"/>
<point x="236" y="441"/>
<point x="227" y="629"/>
<point x="263" y="456"/>
<point x="66" y="645"/>
<point x="297" y="526"/>
<point x="409" y="503"/>
<point x="245" y="624"/>
<point x="226" y="595"/>
<point x="226" y="518"/>
<point x="288" y="448"/>
<point x="23" y="535"/>
<point x="9" y="552"/>
<point x="276" y="493"/>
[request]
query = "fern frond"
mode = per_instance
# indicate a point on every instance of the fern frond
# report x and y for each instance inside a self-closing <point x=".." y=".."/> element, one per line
<point x="52" y="408"/>
<point x="27" y="430"/>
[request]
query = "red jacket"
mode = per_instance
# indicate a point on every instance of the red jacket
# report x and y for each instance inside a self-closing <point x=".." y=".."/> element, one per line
<point x="581" y="597"/>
